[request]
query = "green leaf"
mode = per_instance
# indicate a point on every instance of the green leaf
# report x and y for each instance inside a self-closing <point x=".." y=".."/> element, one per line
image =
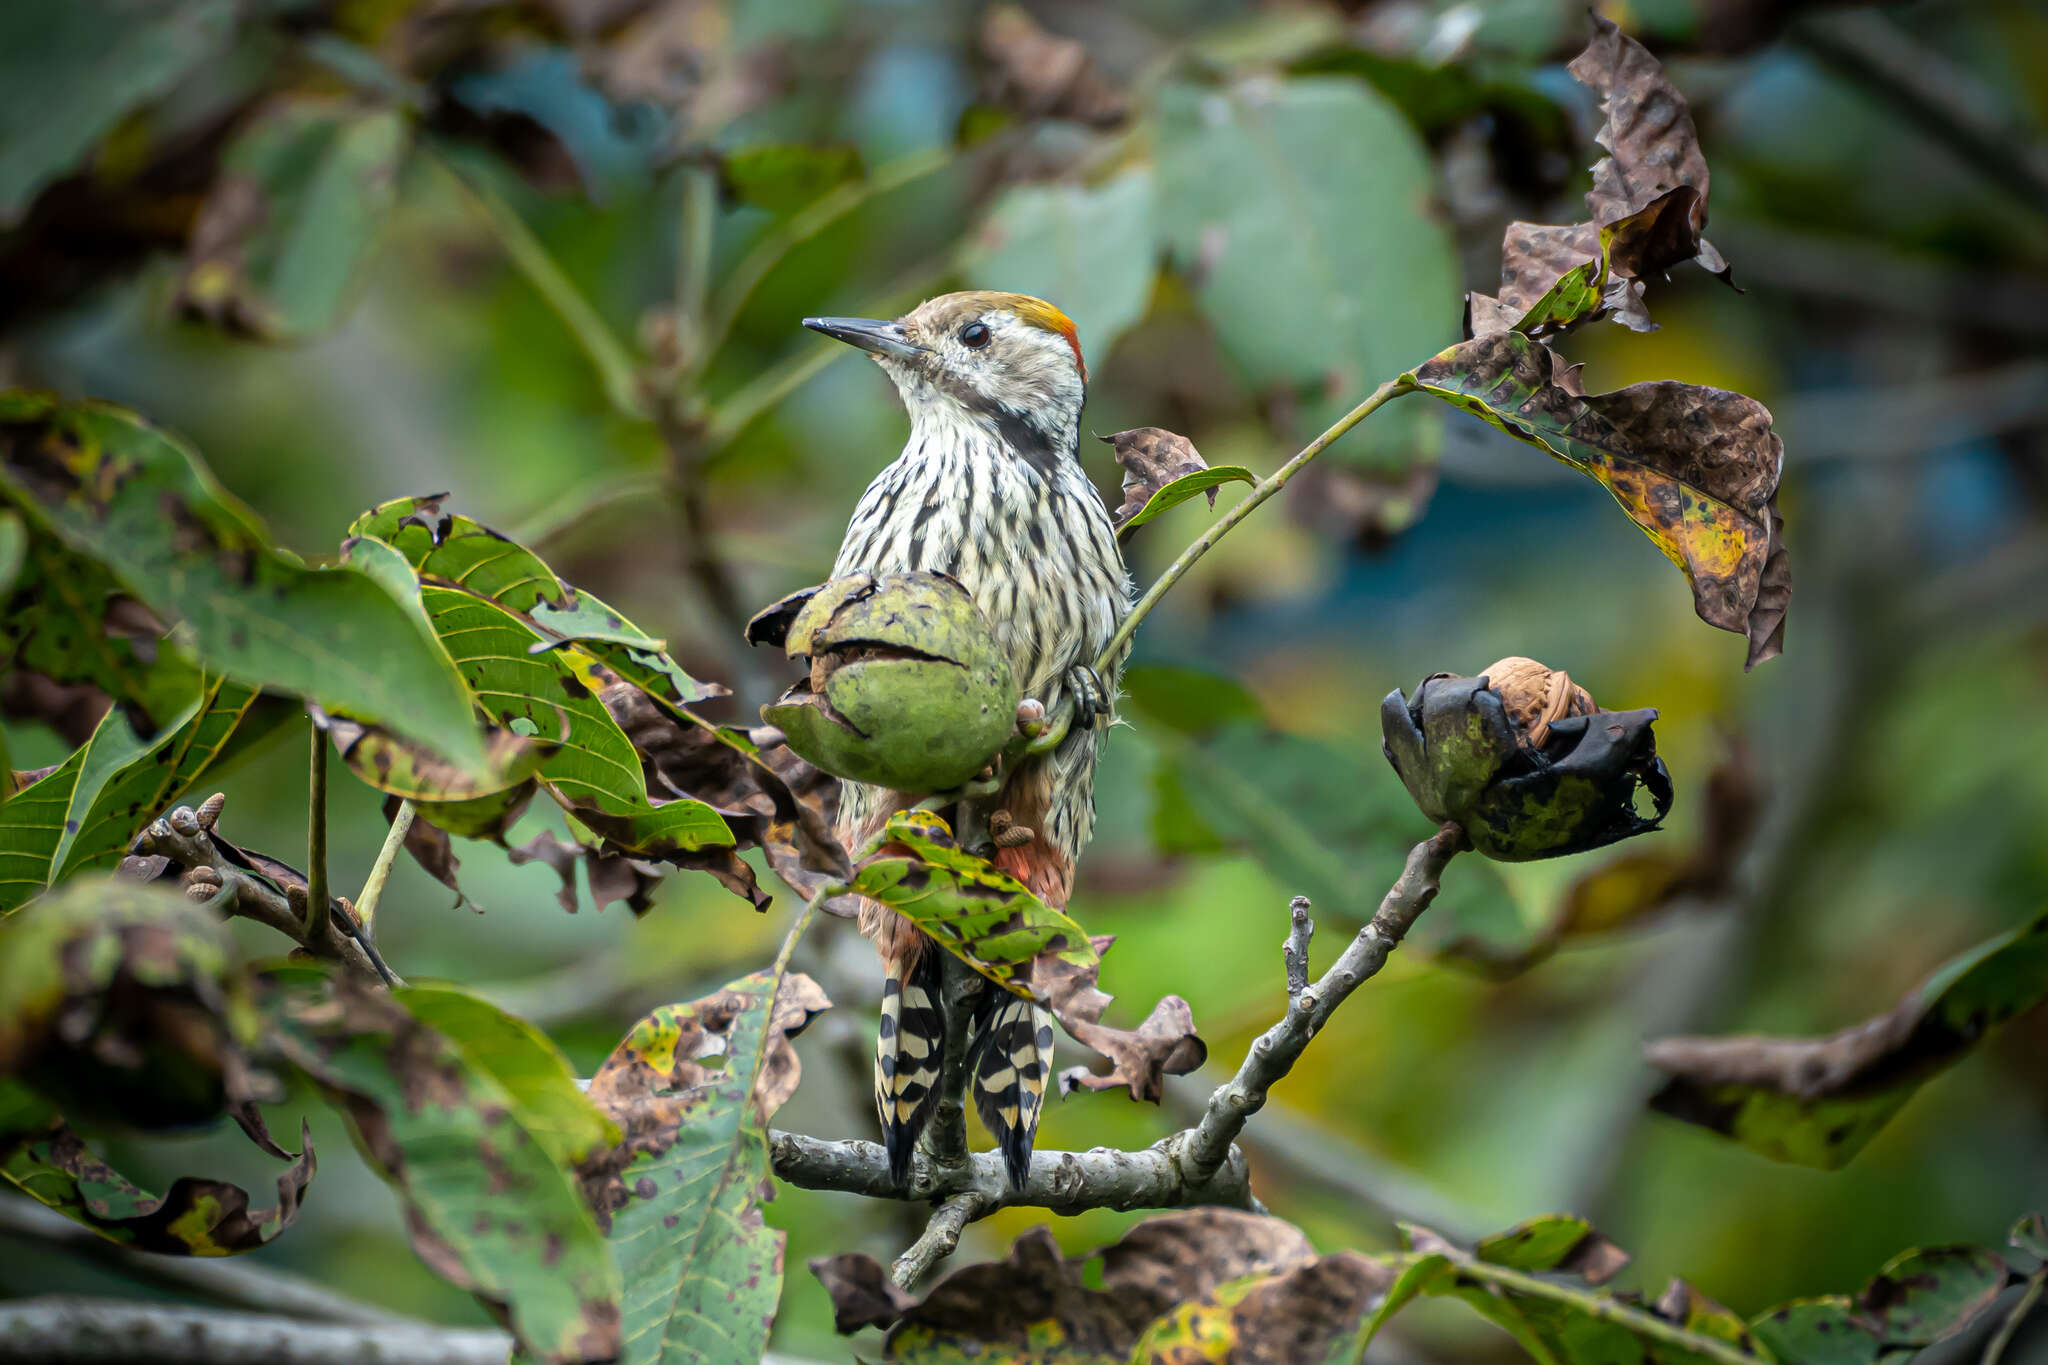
<point x="67" y="618"/>
<point x="1920" y="1297"/>
<point x="972" y="908"/>
<point x="112" y="486"/>
<point x="523" y="1060"/>
<point x="488" y="1208"/>
<point x="1185" y="487"/>
<point x="302" y="193"/>
<point x="593" y="770"/>
<point x="1090" y="249"/>
<point x="70" y="69"/>
<point x="41" y="1156"/>
<point x="108" y="810"/>
<point x="1297" y="209"/>
<point x="31" y="827"/>
<point x="1558" y="1242"/>
<point x="472" y="556"/>
<point x="1818" y="1101"/>
<point x="110" y="787"/>
<point x="1696" y="468"/>
<point x="784" y="177"/>
<point x="692" y="1087"/>
<point x="13" y="549"/>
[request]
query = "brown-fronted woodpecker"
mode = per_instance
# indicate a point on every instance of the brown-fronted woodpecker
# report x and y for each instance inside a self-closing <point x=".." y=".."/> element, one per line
<point x="989" y="489"/>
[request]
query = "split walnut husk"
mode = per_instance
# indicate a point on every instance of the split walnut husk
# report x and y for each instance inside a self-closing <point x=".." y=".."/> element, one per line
<point x="1524" y="761"/>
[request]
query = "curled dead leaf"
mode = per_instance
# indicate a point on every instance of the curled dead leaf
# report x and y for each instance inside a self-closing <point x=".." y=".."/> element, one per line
<point x="1141" y="1059"/>
<point x="1042" y="75"/>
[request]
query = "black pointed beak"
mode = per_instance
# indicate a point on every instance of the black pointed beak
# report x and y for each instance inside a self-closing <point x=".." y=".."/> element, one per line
<point x="882" y="338"/>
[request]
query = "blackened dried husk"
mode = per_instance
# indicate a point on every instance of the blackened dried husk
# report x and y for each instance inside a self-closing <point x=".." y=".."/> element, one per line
<point x="1463" y="760"/>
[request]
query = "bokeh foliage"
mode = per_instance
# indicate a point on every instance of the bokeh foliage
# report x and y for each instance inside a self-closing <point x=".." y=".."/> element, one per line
<point x="1253" y="215"/>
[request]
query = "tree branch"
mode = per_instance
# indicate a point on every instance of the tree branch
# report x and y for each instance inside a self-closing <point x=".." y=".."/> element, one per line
<point x="1064" y="1182"/>
<point x="1948" y="103"/>
<point x="62" y="1330"/>
<point x="1208" y="1145"/>
<point x="1198" y="1165"/>
<point x="68" y="1330"/>
<point x="181" y="837"/>
<point x="937" y="1241"/>
<point x="235" y="1281"/>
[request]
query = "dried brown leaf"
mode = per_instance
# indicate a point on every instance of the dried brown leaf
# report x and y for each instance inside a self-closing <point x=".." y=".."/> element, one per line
<point x="1152" y="457"/>
<point x="1141" y="1059"/>
<point x="862" y="1293"/>
<point x="1042" y="75"/>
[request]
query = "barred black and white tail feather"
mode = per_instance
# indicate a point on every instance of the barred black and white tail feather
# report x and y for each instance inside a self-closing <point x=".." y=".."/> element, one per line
<point x="910" y="1055"/>
<point x="1012" y="1057"/>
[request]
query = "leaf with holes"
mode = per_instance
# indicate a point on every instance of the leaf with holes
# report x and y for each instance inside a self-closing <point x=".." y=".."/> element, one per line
<point x="470" y="555"/>
<point x="1696" y="468"/>
<point x="488" y="1207"/>
<point x="692" y="1088"/>
<point x="302" y="193"/>
<point x="42" y="1157"/>
<point x="110" y="485"/>
<point x="1818" y="1101"/>
<point x="553" y="694"/>
<point x="969" y="906"/>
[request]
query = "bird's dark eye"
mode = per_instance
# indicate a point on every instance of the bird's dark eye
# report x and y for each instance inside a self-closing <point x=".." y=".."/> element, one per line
<point x="975" y="334"/>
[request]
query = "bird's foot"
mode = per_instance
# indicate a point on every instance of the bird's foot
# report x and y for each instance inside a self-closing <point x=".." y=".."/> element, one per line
<point x="1091" y="698"/>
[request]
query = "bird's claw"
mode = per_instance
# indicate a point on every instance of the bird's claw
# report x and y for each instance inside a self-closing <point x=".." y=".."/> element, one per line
<point x="1091" y="698"/>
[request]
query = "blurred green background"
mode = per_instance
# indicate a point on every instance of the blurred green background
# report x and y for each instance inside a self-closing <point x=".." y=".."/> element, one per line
<point x="1255" y="213"/>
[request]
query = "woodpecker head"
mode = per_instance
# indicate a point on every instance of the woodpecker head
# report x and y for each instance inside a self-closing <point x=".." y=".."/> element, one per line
<point x="1008" y="361"/>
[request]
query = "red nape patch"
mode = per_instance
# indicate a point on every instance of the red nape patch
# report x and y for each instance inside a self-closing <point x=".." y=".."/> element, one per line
<point x="1044" y="316"/>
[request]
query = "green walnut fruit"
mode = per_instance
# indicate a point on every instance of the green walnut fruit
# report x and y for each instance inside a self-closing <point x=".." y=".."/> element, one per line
<point x="121" y="1006"/>
<point x="908" y="687"/>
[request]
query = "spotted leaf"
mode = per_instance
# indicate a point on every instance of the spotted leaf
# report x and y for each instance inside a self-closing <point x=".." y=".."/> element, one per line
<point x="110" y="485"/>
<point x="488" y="1207"/>
<point x="1696" y="468"/>
<point x="41" y="1156"/>
<point x="972" y="908"/>
<point x="692" y="1088"/>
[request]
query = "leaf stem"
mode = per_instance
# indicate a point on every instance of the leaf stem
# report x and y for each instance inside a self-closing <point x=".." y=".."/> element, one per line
<point x="1263" y="490"/>
<point x="373" y="889"/>
<point x="608" y="355"/>
<point x="1605" y="1307"/>
<point x="696" y="225"/>
<point x="2011" y="1326"/>
<point x="316" y="838"/>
